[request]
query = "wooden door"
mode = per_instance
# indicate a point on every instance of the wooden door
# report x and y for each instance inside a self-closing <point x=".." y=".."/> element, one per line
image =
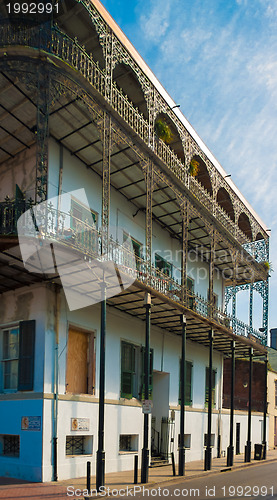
<point x="77" y="362"/>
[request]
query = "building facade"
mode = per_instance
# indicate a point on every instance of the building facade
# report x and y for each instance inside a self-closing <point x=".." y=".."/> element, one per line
<point x="80" y="110"/>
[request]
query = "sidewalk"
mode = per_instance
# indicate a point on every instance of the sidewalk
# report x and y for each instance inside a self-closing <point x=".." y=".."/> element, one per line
<point x="159" y="475"/>
<point x="11" y="489"/>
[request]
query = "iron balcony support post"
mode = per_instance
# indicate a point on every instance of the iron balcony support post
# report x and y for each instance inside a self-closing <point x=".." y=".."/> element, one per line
<point x="182" y="405"/>
<point x="42" y="133"/>
<point x="211" y="275"/>
<point x="247" y="456"/>
<point x="208" y="450"/>
<point x="145" y="449"/>
<point x="185" y="225"/>
<point x="107" y="146"/>
<point x="148" y="221"/>
<point x="230" y="449"/>
<point x="100" y="457"/>
<point x="265" y="407"/>
<point x="251" y="289"/>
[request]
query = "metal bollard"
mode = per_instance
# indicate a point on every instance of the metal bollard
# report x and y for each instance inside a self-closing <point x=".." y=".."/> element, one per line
<point x="173" y="464"/>
<point x="136" y="469"/>
<point x="88" y="475"/>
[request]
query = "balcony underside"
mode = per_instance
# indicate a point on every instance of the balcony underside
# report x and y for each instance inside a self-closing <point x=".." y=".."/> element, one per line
<point x="165" y="311"/>
<point x="74" y="124"/>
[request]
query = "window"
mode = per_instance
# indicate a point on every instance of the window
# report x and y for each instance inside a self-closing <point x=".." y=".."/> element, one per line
<point x="275" y="393"/>
<point x="18" y="357"/>
<point x="78" y="445"/>
<point x="190" y="289"/>
<point x="81" y="222"/>
<point x="80" y="369"/>
<point x="81" y="213"/>
<point x="128" y="442"/>
<point x="164" y="266"/>
<point x="207" y="387"/>
<point x="132" y="371"/>
<point x="188" y="387"/>
<point x="9" y="445"/>
<point x="10" y="358"/>
<point x="136" y="248"/>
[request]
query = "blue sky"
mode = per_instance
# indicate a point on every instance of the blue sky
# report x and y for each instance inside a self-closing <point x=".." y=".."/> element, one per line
<point x="218" y="60"/>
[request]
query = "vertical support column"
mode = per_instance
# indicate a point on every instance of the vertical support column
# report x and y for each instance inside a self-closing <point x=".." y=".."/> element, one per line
<point x="145" y="449"/>
<point x="100" y="456"/>
<point x="265" y="307"/>
<point x="265" y="407"/>
<point x="251" y="307"/>
<point x="184" y="258"/>
<point x="43" y="99"/>
<point x="208" y="450"/>
<point x="247" y="456"/>
<point x="211" y="275"/>
<point x="148" y="222"/>
<point x="182" y="406"/>
<point x="230" y="449"/>
<point x="107" y="146"/>
<point x="108" y="44"/>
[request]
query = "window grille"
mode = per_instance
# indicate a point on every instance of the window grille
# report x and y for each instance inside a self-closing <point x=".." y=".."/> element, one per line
<point x="75" y="445"/>
<point x="11" y="445"/>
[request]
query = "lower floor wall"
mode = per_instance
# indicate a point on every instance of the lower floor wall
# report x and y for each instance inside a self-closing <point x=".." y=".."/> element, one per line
<point x="77" y="436"/>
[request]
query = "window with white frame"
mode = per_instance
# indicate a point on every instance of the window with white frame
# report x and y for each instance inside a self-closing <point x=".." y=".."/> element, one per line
<point x="10" y="358"/>
<point x="18" y="344"/>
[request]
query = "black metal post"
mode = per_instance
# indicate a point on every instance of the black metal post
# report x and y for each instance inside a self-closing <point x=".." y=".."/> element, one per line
<point x="182" y="402"/>
<point x="265" y="407"/>
<point x="208" y="450"/>
<point x="88" y="475"/>
<point x="145" y="449"/>
<point x="173" y="464"/>
<point x="136" y="469"/>
<point x="230" y="449"/>
<point x="100" y="456"/>
<point x="247" y="456"/>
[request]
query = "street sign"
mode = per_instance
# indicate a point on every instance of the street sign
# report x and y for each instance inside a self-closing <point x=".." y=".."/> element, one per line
<point x="147" y="406"/>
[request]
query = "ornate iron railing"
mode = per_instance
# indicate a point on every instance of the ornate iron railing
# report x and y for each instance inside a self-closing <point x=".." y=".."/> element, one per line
<point x="86" y="239"/>
<point x="62" y="46"/>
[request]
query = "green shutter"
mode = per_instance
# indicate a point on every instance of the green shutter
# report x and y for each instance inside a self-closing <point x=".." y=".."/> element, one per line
<point x="188" y="391"/>
<point x="207" y="387"/>
<point x="188" y="386"/>
<point x="127" y="369"/>
<point x="150" y="373"/>
<point x="27" y="331"/>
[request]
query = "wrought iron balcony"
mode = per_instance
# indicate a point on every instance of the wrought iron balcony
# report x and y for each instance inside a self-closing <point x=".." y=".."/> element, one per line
<point x="69" y="50"/>
<point x="86" y="240"/>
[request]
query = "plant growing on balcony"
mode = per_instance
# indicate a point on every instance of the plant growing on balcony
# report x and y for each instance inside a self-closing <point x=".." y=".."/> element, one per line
<point x="194" y="168"/>
<point x="163" y="131"/>
<point x="268" y="266"/>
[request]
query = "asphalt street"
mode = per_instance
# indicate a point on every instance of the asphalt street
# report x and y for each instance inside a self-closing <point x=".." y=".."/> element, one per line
<point x="259" y="481"/>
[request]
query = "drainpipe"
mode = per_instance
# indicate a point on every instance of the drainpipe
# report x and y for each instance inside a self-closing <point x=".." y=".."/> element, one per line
<point x="56" y="385"/>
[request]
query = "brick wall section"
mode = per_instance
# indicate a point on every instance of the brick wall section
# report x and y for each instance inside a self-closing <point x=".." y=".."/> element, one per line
<point x="241" y="379"/>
